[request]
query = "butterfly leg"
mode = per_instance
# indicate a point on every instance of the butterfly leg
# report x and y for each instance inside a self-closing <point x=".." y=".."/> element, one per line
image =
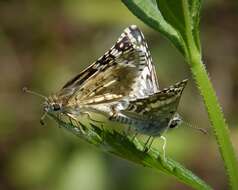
<point x="151" y="142"/>
<point x="42" y="118"/>
<point x="128" y="130"/>
<point x="59" y="117"/>
<point x="164" y="146"/>
<point x="89" y="117"/>
<point x="148" y="144"/>
<point x="113" y="113"/>
<point x="133" y="138"/>
<point x="145" y="146"/>
<point x="72" y="118"/>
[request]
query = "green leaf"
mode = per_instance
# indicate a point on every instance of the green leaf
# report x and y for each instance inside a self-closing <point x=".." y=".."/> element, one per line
<point x="173" y="12"/>
<point x="168" y="18"/>
<point x="147" y="11"/>
<point x="122" y="145"/>
<point x="195" y="10"/>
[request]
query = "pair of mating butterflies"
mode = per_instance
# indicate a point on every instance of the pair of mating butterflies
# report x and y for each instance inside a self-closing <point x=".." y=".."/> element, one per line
<point x="123" y="85"/>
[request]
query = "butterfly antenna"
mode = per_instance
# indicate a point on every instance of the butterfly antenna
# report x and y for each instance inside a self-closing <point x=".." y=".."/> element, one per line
<point x="25" y="89"/>
<point x="204" y="131"/>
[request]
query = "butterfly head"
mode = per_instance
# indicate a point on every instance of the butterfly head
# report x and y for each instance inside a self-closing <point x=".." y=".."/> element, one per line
<point x="52" y="104"/>
<point x="175" y="121"/>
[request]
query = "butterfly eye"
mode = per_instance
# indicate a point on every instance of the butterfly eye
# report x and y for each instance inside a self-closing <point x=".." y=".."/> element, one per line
<point x="173" y="125"/>
<point x="56" y="107"/>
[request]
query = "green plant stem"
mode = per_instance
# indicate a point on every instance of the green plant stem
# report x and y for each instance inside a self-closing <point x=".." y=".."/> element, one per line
<point x="219" y="126"/>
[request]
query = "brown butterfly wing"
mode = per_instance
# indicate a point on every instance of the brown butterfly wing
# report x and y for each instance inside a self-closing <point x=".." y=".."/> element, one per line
<point x="115" y="72"/>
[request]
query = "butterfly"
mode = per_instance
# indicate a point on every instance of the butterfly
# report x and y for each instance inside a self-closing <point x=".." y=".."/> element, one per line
<point x="151" y="111"/>
<point x="155" y="113"/>
<point x="121" y="74"/>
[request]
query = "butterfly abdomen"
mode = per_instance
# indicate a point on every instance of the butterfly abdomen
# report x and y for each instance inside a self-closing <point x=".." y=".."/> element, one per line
<point x="147" y="127"/>
<point x="122" y="119"/>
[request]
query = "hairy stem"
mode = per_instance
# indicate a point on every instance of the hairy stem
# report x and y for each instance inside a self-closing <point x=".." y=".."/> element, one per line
<point x="216" y="117"/>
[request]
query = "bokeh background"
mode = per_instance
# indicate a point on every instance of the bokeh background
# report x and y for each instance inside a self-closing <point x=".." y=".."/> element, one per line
<point x="45" y="43"/>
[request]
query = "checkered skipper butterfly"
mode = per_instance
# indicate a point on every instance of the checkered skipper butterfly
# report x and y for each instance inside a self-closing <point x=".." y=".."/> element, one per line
<point x="154" y="113"/>
<point x="106" y="85"/>
<point x="123" y="85"/>
<point x="150" y="111"/>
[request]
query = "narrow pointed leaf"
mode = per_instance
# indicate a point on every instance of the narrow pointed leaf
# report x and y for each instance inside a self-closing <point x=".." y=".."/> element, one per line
<point x="121" y="145"/>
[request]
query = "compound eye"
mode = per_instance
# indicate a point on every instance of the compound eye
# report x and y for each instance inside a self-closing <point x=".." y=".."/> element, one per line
<point x="173" y="125"/>
<point x="56" y="107"/>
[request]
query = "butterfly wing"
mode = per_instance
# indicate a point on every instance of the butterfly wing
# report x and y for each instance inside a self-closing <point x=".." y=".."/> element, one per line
<point x="147" y="83"/>
<point x="164" y="102"/>
<point x="152" y="114"/>
<point x="116" y="72"/>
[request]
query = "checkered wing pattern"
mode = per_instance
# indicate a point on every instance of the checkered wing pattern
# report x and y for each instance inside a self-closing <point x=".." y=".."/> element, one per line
<point x="126" y="70"/>
<point x="153" y="114"/>
<point x="158" y="105"/>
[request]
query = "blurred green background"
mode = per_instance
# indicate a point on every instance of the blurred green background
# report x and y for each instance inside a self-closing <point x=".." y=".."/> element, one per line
<point x="45" y="43"/>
